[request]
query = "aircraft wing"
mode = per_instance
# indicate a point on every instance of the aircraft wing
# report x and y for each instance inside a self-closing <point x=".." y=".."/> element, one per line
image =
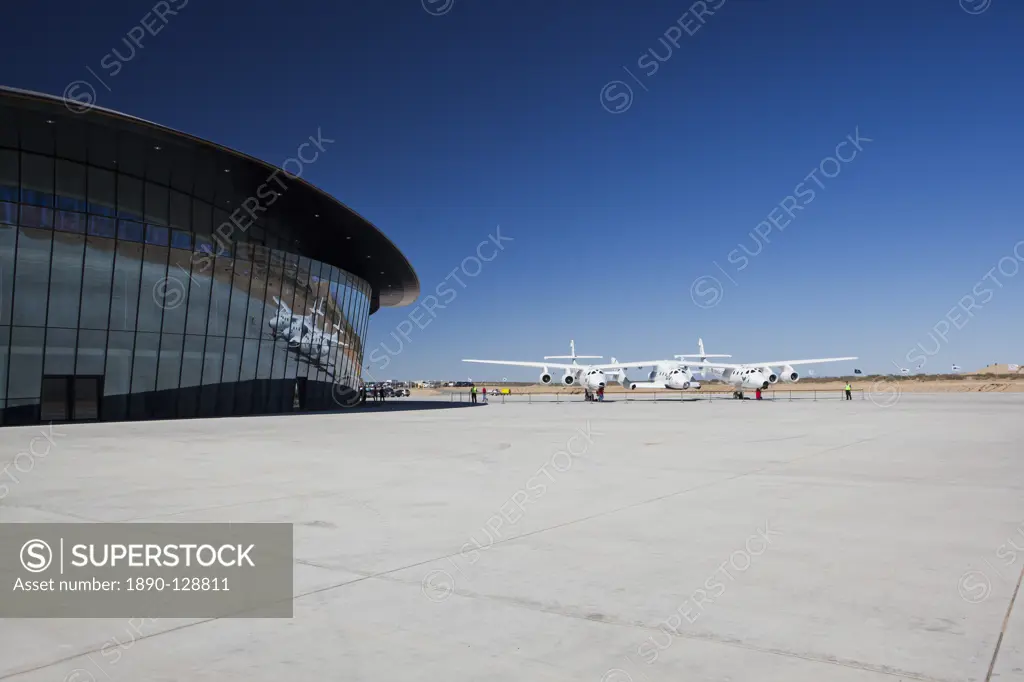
<point x="637" y="363"/>
<point x="538" y="365"/>
<point x="554" y="365"/>
<point x="773" y="363"/>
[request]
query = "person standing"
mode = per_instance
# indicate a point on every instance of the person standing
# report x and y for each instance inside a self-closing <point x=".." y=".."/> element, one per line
<point x="757" y="394"/>
<point x="600" y="394"/>
<point x="472" y="394"/>
<point x="485" y="395"/>
<point x="849" y="389"/>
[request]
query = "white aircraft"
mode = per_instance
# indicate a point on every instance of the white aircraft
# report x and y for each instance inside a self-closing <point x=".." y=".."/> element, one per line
<point x="675" y="374"/>
<point x="591" y="377"/>
<point x="755" y="375"/>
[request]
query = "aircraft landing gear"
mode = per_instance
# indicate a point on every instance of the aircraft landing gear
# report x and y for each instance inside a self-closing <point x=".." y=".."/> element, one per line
<point x="738" y="395"/>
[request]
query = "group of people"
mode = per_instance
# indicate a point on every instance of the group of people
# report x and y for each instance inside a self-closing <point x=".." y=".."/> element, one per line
<point x="848" y="391"/>
<point x="378" y="394"/>
<point x="591" y="396"/>
<point x="473" y="394"/>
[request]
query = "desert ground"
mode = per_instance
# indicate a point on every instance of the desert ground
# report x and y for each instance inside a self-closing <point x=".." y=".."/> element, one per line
<point x="663" y="541"/>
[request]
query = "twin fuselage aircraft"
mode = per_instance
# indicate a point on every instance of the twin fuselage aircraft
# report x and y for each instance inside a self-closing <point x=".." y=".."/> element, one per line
<point x="677" y="374"/>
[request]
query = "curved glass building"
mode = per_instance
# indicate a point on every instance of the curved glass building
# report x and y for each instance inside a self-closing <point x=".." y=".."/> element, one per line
<point x="149" y="274"/>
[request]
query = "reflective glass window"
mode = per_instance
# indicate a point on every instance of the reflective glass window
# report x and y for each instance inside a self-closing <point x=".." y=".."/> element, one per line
<point x="102" y="226"/>
<point x="129" y="198"/>
<point x="156" y="234"/>
<point x="5" y="340"/>
<point x="157" y="204"/>
<point x="192" y="361"/>
<point x="117" y="379"/>
<point x="8" y="249"/>
<point x="170" y="361"/>
<point x="220" y="299"/>
<point x="60" y="351"/>
<point x="130" y="231"/>
<point x="200" y="284"/>
<point x="65" y="280"/>
<point x="26" y="369"/>
<point x="68" y="221"/>
<point x="37" y="180"/>
<point x="181" y="240"/>
<point x="202" y="217"/>
<point x="173" y="292"/>
<point x="71" y="178"/>
<point x="8" y="175"/>
<point x="238" y="320"/>
<point x="32" y="276"/>
<point x="124" y="297"/>
<point x="96" y="282"/>
<point x="266" y="357"/>
<point x="8" y="213"/>
<point x="147" y="346"/>
<point x="102" y="192"/>
<point x="36" y="216"/>
<point x="258" y="313"/>
<point x="181" y="211"/>
<point x="250" y="353"/>
<point x="232" y="360"/>
<point x="213" y="360"/>
<point x="92" y="347"/>
<point x="155" y="292"/>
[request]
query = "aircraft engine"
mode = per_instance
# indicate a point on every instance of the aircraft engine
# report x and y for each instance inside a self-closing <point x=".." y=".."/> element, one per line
<point x="769" y="374"/>
<point x="790" y="375"/>
<point x="626" y="383"/>
<point x="569" y="378"/>
<point x="545" y="376"/>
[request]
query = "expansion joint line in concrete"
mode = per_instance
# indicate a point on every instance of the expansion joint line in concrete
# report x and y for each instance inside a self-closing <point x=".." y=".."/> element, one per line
<point x="1006" y="623"/>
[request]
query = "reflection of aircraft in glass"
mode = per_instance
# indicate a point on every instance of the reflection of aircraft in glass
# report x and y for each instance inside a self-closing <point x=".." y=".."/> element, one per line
<point x="302" y="333"/>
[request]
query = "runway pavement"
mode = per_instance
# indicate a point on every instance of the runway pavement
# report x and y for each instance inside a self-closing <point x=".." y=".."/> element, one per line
<point x="859" y="541"/>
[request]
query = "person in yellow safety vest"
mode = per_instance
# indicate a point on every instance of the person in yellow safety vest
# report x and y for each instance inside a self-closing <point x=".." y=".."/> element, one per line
<point x="849" y="395"/>
<point x="472" y="394"/>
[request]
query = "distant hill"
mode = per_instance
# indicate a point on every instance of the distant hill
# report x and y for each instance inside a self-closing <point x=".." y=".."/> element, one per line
<point x="999" y="368"/>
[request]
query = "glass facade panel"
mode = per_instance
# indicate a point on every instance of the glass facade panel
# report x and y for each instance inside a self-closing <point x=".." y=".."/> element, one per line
<point x="240" y="275"/>
<point x="25" y="373"/>
<point x="65" y="280"/>
<point x="124" y="296"/>
<point x="153" y="289"/>
<point x="92" y="345"/>
<point x="114" y="304"/>
<point x="200" y="285"/>
<point x="37" y="180"/>
<point x="32" y="276"/>
<point x="169" y="370"/>
<point x="129" y="198"/>
<point x="60" y="351"/>
<point x="97" y="280"/>
<point x="71" y="178"/>
<point x="8" y="249"/>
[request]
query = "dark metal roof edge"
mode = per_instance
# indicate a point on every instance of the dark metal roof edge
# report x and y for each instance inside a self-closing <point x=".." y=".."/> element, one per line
<point x="410" y="289"/>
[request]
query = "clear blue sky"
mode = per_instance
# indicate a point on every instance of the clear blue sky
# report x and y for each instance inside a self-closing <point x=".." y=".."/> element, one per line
<point x="492" y="114"/>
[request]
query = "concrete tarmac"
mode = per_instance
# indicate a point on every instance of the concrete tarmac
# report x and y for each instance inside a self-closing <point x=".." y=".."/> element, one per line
<point x="858" y="541"/>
